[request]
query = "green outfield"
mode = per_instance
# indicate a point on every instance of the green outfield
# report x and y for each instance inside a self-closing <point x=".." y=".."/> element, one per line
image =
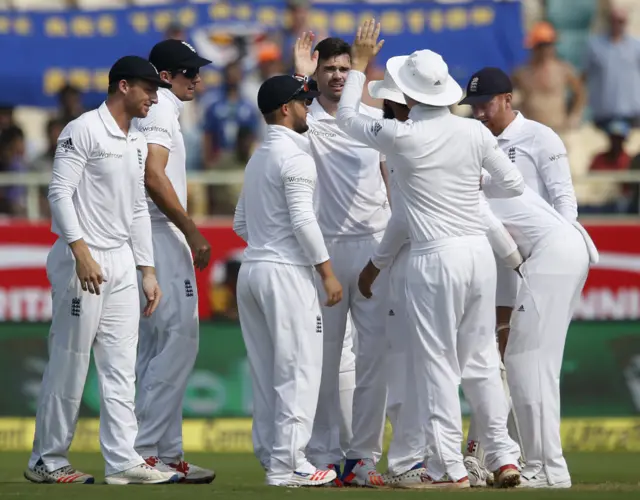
<point x="596" y="476"/>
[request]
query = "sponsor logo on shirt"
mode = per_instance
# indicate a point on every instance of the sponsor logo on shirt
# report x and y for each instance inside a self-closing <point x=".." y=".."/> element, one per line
<point x="321" y="134"/>
<point x="66" y="146"/>
<point x="299" y="180"/>
<point x="103" y="155"/>
<point x="154" y="128"/>
<point x="557" y="157"/>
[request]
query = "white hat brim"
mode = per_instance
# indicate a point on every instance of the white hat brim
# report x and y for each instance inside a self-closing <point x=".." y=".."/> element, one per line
<point x="451" y="94"/>
<point x="377" y="90"/>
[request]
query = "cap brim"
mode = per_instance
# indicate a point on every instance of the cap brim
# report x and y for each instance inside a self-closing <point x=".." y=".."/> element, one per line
<point x="158" y="81"/>
<point x="450" y="95"/>
<point x="309" y="94"/>
<point x="377" y="90"/>
<point x="476" y="99"/>
<point x="196" y="62"/>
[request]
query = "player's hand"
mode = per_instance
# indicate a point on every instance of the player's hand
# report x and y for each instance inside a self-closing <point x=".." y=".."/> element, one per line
<point x="305" y="62"/>
<point x="333" y="289"/>
<point x="200" y="248"/>
<point x="365" y="281"/>
<point x="89" y="274"/>
<point x="151" y="291"/>
<point x="366" y="45"/>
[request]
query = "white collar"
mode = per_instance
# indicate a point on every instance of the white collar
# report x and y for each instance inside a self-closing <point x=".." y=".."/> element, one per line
<point x="318" y="112"/>
<point x="177" y="103"/>
<point x="110" y="122"/>
<point x="274" y="131"/>
<point x="513" y="127"/>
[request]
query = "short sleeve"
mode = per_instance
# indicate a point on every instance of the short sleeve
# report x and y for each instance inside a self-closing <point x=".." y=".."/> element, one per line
<point x="157" y="127"/>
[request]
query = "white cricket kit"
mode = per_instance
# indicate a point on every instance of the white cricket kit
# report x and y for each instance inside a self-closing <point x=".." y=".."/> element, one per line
<point x="407" y="446"/>
<point x="541" y="157"/>
<point x="557" y="259"/>
<point x="96" y="194"/>
<point x="353" y="211"/>
<point x="451" y="275"/>
<point x="277" y="300"/>
<point x="168" y="343"/>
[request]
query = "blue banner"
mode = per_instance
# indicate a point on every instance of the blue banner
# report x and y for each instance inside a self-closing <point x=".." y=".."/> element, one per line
<point x="42" y="51"/>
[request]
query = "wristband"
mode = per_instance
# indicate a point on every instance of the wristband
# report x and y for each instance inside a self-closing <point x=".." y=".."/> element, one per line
<point x="302" y="78"/>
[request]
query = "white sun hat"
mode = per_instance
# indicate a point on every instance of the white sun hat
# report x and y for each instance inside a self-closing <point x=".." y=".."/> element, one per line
<point x="424" y="76"/>
<point x="386" y="89"/>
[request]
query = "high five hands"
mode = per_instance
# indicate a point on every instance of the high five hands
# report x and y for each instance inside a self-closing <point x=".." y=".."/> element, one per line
<point x="366" y="45"/>
<point x="305" y="62"/>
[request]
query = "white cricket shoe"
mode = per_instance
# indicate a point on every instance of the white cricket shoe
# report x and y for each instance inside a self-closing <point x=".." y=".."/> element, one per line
<point x="142" y="474"/>
<point x="191" y="473"/>
<point x="407" y="480"/>
<point x="63" y="475"/>
<point x="479" y="475"/>
<point x="317" y="478"/>
<point x="158" y="464"/>
<point x="540" y="480"/>
<point x="364" y="473"/>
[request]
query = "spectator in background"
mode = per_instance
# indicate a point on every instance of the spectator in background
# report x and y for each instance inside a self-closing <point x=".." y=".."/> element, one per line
<point x="617" y="197"/>
<point x="44" y="162"/>
<point x="545" y="81"/>
<point x="298" y="13"/>
<point x="6" y="117"/>
<point x="12" y="148"/>
<point x="612" y="72"/>
<point x="226" y="116"/>
<point x="175" y="31"/>
<point x="269" y="63"/>
<point x="223" y="199"/>
<point x="70" y="102"/>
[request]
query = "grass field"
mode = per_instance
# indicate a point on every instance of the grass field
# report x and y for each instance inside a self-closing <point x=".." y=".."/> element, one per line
<point x="595" y="476"/>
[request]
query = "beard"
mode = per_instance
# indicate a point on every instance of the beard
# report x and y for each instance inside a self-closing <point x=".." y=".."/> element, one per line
<point x="300" y="126"/>
<point x="387" y="112"/>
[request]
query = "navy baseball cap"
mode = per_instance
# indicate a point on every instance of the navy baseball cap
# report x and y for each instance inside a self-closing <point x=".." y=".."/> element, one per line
<point x="485" y="84"/>
<point x="281" y="89"/>
<point x="172" y="55"/>
<point x="134" y="67"/>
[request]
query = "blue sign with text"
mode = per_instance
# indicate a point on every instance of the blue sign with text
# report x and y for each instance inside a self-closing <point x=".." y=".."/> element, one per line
<point x="43" y="51"/>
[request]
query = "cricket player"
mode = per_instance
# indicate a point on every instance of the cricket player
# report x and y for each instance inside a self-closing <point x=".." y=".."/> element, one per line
<point x="451" y="274"/>
<point x="353" y="211"/>
<point x="557" y="257"/>
<point x="100" y="215"/>
<point x="168" y="343"/>
<point x="541" y="157"/>
<point x="278" y="303"/>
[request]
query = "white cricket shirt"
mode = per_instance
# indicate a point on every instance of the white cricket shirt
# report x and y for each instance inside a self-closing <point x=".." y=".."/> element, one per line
<point x="97" y="189"/>
<point x="541" y="157"/>
<point x="162" y="127"/>
<point x="438" y="158"/>
<point x="528" y="218"/>
<point x="275" y="213"/>
<point x="351" y="200"/>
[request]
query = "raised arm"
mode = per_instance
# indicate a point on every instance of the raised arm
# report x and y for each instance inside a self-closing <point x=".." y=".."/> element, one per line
<point x="504" y="180"/>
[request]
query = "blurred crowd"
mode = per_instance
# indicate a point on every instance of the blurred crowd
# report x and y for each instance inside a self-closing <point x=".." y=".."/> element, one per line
<point x="598" y="84"/>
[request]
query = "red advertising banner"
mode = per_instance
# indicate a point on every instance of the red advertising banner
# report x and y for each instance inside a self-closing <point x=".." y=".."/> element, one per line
<point x="612" y="290"/>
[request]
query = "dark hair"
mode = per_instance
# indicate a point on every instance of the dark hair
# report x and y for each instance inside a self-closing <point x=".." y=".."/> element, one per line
<point x="387" y="111"/>
<point x="114" y="86"/>
<point x="332" y="47"/>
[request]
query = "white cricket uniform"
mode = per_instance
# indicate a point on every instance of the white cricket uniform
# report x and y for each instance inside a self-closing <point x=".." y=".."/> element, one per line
<point x="451" y="274"/>
<point x="278" y="304"/>
<point x="407" y="446"/>
<point x="96" y="194"/>
<point x="353" y="211"/>
<point x="553" y="275"/>
<point x="168" y="343"/>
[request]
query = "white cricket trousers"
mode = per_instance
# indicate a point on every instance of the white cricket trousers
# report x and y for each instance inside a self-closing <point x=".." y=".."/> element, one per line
<point x="349" y="257"/>
<point x="281" y="325"/>
<point x="451" y="293"/>
<point x="167" y="349"/>
<point x="407" y="446"/>
<point x="108" y="324"/>
<point x="553" y="278"/>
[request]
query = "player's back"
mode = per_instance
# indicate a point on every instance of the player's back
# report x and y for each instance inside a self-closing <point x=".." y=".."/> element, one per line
<point x="438" y="161"/>
<point x="527" y="217"/>
<point x="270" y="232"/>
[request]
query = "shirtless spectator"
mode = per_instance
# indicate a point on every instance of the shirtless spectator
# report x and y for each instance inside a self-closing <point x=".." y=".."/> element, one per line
<point x="544" y="81"/>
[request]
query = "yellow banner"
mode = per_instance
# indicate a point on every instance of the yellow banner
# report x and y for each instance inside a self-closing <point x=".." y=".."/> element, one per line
<point x="234" y="435"/>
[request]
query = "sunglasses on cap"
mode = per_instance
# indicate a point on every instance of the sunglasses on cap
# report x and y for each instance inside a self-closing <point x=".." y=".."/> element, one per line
<point x="304" y="87"/>
<point x="189" y="73"/>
